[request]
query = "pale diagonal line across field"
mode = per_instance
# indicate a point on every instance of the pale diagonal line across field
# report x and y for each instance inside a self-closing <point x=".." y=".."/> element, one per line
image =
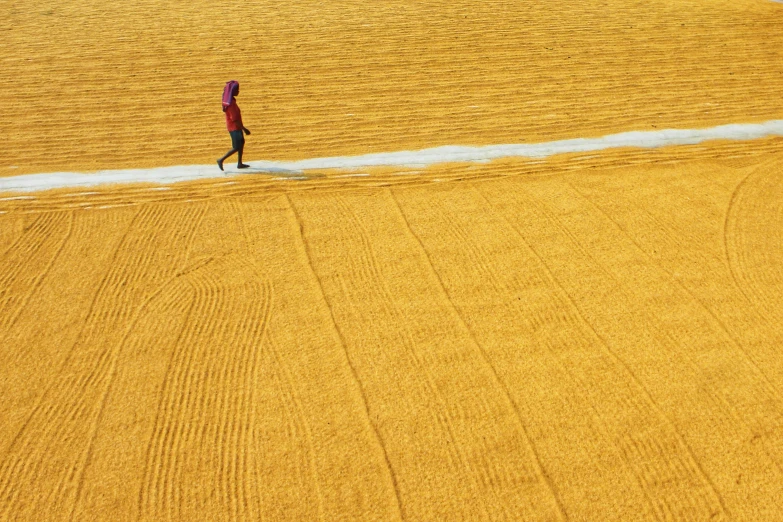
<point x="419" y="158"/>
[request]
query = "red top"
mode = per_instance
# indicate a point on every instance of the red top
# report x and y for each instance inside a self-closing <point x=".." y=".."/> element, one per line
<point x="233" y="117"/>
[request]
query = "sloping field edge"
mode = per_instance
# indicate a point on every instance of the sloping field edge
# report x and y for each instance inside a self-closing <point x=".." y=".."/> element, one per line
<point x="414" y="159"/>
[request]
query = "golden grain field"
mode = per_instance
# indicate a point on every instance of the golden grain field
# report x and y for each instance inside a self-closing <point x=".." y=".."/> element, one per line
<point x="588" y="337"/>
<point x="133" y="84"/>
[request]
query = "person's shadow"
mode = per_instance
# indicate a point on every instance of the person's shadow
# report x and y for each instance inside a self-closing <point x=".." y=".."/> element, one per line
<point x="274" y="172"/>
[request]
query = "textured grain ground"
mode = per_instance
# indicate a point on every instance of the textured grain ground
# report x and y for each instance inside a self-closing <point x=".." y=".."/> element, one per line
<point x="89" y="85"/>
<point x="590" y="337"/>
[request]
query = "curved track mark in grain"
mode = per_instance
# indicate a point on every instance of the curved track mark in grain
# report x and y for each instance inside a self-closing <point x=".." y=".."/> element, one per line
<point x="6" y="472"/>
<point x="542" y="320"/>
<point x="722" y="401"/>
<point x="291" y="395"/>
<point x="147" y="307"/>
<point x="29" y="241"/>
<point x="156" y="497"/>
<point x="773" y="391"/>
<point x="369" y="263"/>
<point x="360" y="387"/>
<point x="666" y="333"/>
<point x="192" y="228"/>
<point x="7" y="320"/>
<point x="388" y="335"/>
<point x="537" y="327"/>
<point x="690" y="458"/>
<point x="753" y="239"/>
<point x="560" y="242"/>
<point x="204" y="414"/>
<point x="28" y="254"/>
<point x="62" y="424"/>
<point x="138" y="314"/>
<point x="152" y="448"/>
<point x="728" y="225"/>
<point x="544" y="476"/>
<point x="11" y="229"/>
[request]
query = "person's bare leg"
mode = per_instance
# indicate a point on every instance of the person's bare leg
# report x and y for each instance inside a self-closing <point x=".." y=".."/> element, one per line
<point x="241" y="165"/>
<point x="226" y="156"/>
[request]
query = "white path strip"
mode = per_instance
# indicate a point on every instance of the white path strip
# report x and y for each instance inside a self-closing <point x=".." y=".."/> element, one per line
<point x="415" y="159"/>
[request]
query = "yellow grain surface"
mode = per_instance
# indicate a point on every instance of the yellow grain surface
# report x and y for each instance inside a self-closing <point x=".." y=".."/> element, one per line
<point x="589" y="337"/>
<point x="592" y="337"/>
<point x="93" y="85"/>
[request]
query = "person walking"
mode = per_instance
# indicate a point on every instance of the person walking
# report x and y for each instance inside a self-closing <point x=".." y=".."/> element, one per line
<point x="234" y="124"/>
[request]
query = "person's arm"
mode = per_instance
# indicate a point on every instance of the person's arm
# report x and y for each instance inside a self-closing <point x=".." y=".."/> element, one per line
<point x="247" y="131"/>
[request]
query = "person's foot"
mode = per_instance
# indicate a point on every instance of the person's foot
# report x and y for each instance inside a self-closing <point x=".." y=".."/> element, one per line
<point x="243" y="166"/>
<point x="220" y="164"/>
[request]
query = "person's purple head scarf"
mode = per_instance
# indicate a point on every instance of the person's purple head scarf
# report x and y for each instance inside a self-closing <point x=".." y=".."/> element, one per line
<point x="229" y="91"/>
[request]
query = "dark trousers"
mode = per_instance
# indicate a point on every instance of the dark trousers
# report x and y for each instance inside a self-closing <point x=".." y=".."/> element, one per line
<point x="237" y="145"/>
